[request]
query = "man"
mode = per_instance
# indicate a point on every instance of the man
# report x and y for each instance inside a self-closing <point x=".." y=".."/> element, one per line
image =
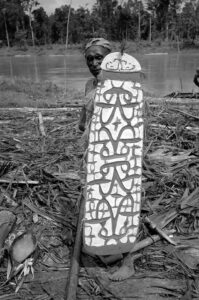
<point x="196" y="77"/>
<point x="95" y="51"/>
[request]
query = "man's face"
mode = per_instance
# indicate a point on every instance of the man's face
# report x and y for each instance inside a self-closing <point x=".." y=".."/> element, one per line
<point x="94" y="56"/>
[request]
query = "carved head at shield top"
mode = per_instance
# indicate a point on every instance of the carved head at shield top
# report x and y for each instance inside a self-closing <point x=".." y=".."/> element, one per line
<point x="95" y="51"/>
<point x="117" y="62"/>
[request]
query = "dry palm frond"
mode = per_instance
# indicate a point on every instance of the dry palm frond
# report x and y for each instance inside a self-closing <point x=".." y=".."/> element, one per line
<point x="6" y="167"/>
<point x="171" y="182"/>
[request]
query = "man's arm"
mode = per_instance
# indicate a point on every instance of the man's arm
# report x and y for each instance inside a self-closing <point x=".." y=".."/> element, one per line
<point x="82" y="119"/>
<point x="87" y="109"/>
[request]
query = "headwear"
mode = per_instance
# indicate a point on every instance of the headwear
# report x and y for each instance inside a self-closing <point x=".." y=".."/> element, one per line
<point x="98" y="42"/>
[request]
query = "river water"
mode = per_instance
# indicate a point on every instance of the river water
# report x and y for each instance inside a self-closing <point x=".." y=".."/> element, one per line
<point x="165" y="73"/>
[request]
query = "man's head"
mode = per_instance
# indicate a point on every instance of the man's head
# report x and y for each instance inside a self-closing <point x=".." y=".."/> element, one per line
<point x="95" y="51"/>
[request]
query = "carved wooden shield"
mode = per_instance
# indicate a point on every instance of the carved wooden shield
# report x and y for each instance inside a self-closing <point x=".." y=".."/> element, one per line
<point x="114" y="159"/>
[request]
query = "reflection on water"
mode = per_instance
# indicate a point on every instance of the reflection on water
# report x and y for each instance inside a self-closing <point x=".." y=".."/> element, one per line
<point x="170" y="73"/>
<point x="164" y="73"/>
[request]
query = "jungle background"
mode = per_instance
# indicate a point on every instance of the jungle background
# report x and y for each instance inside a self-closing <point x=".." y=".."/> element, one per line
<point x="24" y="23"/>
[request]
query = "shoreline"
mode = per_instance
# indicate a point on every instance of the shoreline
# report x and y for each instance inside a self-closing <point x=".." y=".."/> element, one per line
<point x="60" y="50"/>
<point x="20" y="93"/>
<point x="25" y="93"/>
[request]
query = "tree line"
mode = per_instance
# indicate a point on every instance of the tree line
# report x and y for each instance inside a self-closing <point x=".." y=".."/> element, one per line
<point x="25" y="22"/>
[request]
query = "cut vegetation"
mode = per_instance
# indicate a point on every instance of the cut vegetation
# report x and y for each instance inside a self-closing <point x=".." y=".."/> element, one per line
<point x="40" y="157"/>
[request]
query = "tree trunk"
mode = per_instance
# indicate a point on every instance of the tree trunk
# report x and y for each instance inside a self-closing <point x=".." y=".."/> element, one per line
<point x="126" y="32"/>
<point x="31" y="29"/>
<point x="139" y="21"/>
<point x="6" y="29"/>
<point x="167" y="32"/>
<point x="149" y="28"/>
<point x="17" y="26"/>
<point x="23" y="25"/>
<point x="178" y="43"/>
<point x="68" y="22"/>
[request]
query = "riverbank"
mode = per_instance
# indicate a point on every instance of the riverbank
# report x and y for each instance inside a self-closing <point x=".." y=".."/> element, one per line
<point x="143" y="47"/>
<point x="18" y="92"/>
<point x="21" y="92"/>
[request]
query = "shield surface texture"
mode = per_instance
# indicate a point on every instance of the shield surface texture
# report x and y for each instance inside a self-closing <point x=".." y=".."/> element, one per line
<point x="114" y="159"/>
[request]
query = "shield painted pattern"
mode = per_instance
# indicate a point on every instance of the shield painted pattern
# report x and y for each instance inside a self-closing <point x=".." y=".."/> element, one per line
<point x="114" y="159"/>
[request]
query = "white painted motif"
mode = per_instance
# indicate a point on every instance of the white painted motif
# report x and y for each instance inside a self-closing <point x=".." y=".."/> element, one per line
<point x="114" y="162"/>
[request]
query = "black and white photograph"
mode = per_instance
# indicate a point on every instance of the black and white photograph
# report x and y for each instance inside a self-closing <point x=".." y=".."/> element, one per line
<point x="99" y="149"/>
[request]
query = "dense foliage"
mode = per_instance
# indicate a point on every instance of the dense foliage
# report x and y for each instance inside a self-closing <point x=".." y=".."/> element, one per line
<point x="25" y="22"/>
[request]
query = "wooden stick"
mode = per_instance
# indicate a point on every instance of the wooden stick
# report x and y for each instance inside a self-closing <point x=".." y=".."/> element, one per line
<point x="162" y="233"/>
<point x="33" y="109"/>
<point x="15" y="181"/>
<point x="41" y="124"/>
<point x="71" y="288"/>
<point x="172" y="101"/>
<point x="148" y="241"/>
<point x="185" y="113"/>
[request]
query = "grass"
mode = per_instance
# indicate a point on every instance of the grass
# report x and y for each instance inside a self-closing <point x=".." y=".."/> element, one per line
<point x="21" y="92"/>
<point x="26" y="93"/>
